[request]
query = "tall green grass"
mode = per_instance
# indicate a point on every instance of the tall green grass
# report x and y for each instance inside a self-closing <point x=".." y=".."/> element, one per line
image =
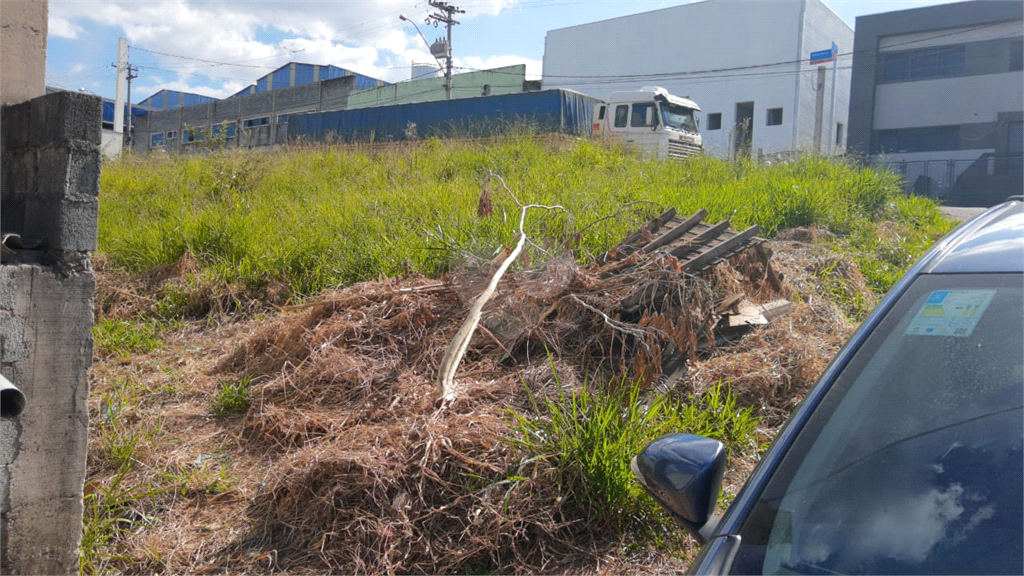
<point x="589" y="435"/>
<point x="317" y="217"/>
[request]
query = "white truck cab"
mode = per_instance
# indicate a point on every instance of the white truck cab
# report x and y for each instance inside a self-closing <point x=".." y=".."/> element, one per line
<point x="652" y="120"/>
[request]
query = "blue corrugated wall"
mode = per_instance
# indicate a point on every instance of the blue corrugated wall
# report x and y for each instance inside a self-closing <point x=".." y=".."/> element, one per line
<point x="548" y="110"/>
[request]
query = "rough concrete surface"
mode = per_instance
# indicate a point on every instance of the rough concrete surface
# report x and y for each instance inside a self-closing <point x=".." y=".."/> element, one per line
<point x="23" y="26"/>
<point x="45" y="459"/>
<point x="49" y="182"/>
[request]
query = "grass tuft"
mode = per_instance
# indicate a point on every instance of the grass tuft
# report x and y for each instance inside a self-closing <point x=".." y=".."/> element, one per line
<point x="232" y="397"/>
<point x="590" y="435"/>
<point x="123" y="338"/>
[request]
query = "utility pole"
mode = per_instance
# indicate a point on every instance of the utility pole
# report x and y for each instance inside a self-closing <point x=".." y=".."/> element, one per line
<point x="132" y="73"/>
<point x="832" y="106"/>
<point x="122" y="71"/>
<point x="444" y="16"/>
<point x="125" y="74"/>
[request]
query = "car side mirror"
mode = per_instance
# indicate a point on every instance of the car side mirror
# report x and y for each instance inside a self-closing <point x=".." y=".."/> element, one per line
<point x="683" y="473"/>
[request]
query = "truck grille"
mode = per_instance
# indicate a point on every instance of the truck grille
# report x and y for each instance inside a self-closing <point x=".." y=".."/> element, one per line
<point x="677" y="149"/>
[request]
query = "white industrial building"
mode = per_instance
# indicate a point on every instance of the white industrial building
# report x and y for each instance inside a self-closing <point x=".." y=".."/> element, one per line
<point x="747" y="64"/>
<point x="938" y="96"/>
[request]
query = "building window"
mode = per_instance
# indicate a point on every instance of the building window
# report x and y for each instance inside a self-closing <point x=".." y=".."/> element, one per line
<point x="621" y="113"/>
<point x="171" y="135"/>
<point x="839" y="133"/>
<point x="1015" y="138"/>
<point x="775" y="116"/>
<point x="282" y="118"/>
<point x="715" y="121"/>
<point x="193" y="135"/>
<point x="909" y="65"/>
<point x="225" y="130"/>
<point x="263" y="121"/>
<point x="156" y="140"/>
<point x="1017" y="55"/>
<point x="931" y="139"/>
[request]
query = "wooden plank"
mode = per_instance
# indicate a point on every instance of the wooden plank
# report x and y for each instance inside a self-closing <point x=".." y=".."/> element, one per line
<point x="708" y="255"/>
<point x="729" y="303"/>
<point x="652" y="226"/>
<point x="702" y="238"/>
<point x="775" y="308"/>
<point x="749" y="315"/>
<point x="676" y="232"/>
<point x="626" y="247"/>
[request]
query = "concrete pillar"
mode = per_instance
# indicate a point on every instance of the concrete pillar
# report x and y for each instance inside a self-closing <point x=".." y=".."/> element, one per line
<point x="49" y="182"/>
<point x="23" y="25"/>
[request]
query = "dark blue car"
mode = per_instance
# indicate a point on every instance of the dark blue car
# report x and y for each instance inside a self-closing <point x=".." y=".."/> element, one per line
<point x="906" y="456"/>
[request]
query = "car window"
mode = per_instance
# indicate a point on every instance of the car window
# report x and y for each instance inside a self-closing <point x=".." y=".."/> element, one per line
<point x="912" y="462"/>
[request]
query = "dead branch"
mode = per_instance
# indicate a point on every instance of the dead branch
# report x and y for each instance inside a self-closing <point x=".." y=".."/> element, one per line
<point x="457" y="347"/>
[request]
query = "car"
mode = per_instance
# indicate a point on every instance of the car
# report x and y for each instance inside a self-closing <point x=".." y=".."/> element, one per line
<point x="906" y="456"/>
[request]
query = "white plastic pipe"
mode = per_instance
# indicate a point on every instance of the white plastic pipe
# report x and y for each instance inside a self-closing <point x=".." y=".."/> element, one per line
<point x="12" y="401"/>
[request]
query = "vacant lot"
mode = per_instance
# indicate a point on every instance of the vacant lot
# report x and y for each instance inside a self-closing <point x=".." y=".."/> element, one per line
<point x="269" y="328"/>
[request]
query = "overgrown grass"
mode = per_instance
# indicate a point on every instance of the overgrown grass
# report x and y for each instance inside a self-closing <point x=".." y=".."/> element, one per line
<point x="108" y="514"/>
<point x="317" y="217"/>
<point x="592" y="433"/>
<point x="116" y="337"/>
<point x="113" y="502"/>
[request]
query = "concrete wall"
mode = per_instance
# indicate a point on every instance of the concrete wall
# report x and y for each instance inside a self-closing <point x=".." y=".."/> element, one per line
<point x="49" y="181"/>
<point x="505" y="80"/>
<point x="274" y="105"/>
<point x="23" y="25"/>
<point x="763" y="46"/>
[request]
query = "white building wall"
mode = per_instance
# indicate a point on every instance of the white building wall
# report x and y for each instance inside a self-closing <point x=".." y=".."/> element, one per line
<point x="947" y="36"/>
<point x="946" y="101"/>
<point x="679" y="48"/>
<point x="822" y="27"/>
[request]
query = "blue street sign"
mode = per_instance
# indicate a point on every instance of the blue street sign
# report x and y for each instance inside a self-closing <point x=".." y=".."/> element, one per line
<point x="822" y="56"/>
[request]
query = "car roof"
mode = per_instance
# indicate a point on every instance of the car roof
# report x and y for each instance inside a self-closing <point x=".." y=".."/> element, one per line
<point x="992" y="242"/>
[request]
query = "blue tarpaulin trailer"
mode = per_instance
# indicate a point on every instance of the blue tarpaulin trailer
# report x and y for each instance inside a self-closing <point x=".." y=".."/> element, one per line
<point x="546" y="110"/>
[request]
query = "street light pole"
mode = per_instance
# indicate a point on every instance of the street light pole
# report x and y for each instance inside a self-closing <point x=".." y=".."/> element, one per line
<point x="405" y="18"/>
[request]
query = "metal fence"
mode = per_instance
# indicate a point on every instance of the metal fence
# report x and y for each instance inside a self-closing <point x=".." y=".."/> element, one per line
<point x="943" y="179"/>
<point x="932" y="178"/>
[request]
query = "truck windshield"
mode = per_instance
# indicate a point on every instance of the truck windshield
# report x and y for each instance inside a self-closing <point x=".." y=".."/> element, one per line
<point x="678" y="117"/>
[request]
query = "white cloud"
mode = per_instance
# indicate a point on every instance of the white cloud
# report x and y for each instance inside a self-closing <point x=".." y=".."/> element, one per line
<point x="254" y="38"/>
<point x="62" y="28"/>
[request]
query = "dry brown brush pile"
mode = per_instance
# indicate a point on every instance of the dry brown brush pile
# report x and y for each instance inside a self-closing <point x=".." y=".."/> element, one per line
<point x="345" y="463"/>
<point x="370" y="476"/>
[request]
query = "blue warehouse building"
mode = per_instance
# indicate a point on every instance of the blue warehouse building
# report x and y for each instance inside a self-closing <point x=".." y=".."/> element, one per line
<point x="171" y="99"/>
<point x="298" y="74"/>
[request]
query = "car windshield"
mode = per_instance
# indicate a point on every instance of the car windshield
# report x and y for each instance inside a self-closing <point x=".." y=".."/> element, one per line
<point x="912" y="462"/>
<point x="678" y="117"/>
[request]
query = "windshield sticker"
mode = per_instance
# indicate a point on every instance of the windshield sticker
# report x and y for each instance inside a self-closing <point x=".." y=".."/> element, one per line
<point x="950" y="313"/>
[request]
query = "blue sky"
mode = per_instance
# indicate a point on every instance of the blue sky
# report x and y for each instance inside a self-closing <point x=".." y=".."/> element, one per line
<point x="217" y="47"/>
